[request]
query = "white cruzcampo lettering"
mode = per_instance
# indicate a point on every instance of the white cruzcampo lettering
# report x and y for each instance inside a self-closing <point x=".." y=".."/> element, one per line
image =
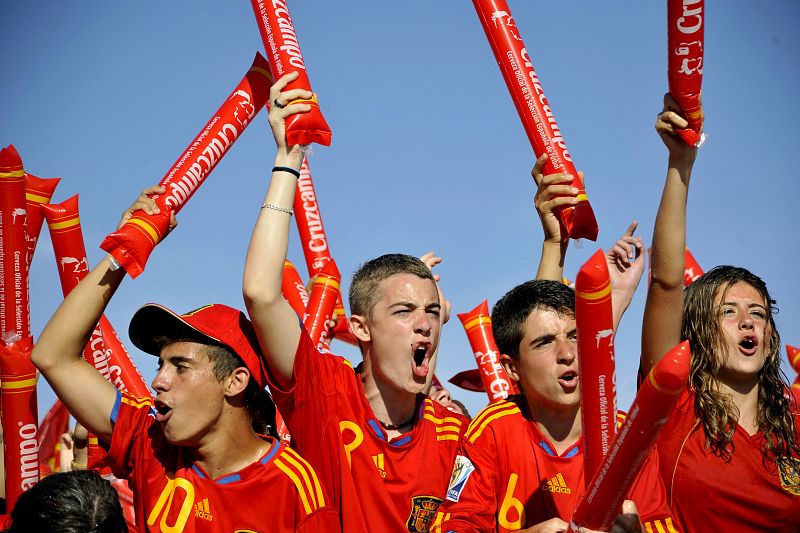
<point x="317" y="241"/>
<point x="692" y="18"/>
<point x="290" y="46"/>
<point x="28" y="456"/>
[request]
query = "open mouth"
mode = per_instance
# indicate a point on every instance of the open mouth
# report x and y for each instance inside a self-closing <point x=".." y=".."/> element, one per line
<point x="421" y="357"/>
<point x="748" y="345"/>
<point x="162" y="411"/>
<point x="569" y="379"/>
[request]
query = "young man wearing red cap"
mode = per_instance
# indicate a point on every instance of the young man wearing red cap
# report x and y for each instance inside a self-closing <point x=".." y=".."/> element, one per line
<point x="191" y="455"/>
<point x="380" y="445"/>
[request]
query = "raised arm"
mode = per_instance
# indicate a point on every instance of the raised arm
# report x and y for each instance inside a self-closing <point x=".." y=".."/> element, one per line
<point x="661" y="326"/>
<point x="552" y="191"/>
<point x="58" y="353"/>
<point x="276" y="324"/>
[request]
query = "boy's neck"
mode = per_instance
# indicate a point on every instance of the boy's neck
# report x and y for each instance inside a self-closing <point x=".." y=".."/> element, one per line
<point x="227" y="450"/>
<point x="392" y="407"/>
<point x="562" y="427"/>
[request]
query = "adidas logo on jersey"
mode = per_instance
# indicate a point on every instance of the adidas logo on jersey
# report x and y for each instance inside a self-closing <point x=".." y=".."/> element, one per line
<point x="557" y="484"/>
<point x="203" y="510"/>
<point x="378" y="460"/>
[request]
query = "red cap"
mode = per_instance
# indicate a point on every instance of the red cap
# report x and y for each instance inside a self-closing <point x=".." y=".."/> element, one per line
<point x="219" y="323"/>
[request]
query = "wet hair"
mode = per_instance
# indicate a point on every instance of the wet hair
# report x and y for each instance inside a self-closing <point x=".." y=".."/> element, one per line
<point x="511" y="311"/>
<point x="719" y="416"/>
<point x="257" y="401"/>
<point x="364" y="291"/>
<point x="70" y="502"/>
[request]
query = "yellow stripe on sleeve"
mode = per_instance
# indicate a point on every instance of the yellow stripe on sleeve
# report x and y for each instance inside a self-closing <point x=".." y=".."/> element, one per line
<point x="308" y="487"/>
<point x="297" y="483"/>
<point x="317" y="486"/>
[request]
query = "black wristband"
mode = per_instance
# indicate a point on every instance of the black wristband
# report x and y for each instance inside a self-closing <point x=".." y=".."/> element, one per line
<point x="295" y="173"/>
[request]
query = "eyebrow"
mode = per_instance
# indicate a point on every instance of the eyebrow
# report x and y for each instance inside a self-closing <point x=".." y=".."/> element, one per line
<point x="414" y="306"/>
<point x="549" y="336"/>
<point x="176" y="359"/>
<point x="749" y="306"/>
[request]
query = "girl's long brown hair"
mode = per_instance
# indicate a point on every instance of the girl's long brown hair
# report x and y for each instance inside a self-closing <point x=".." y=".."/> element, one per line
<point x="716" y="411"/>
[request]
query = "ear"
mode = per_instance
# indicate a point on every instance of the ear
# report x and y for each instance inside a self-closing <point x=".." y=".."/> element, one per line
<point x="510" y="366"/>
<point x="359" y="326"/>
<point x="237" y="381"/>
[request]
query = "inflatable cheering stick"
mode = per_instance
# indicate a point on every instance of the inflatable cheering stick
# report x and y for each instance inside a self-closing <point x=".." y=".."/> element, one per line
<point x="284" y="55"/>
<point x="103" y="351"/>
<point x="293" y="289"/>
<point x="55" y="424"/>
<point x="692" y="269"/>
<point x="637" y="436"/>
<point x="321" y="303"/>
<point x="594" y="321"/>
<point x="685" y="43"/>
<point x="38" y="191"/>
<point x="14" y="295"/>
<point x="132" y="244"/>
<point x="20" y="416"/>
<point x="478" y="325"/>
<point x="537" y="118"/>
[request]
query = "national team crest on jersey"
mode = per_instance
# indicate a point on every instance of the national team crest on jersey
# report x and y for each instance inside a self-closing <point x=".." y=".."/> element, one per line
<point x="789" y="470"/>
<point x="462" y="468"/>
<point x="423" y="512"/>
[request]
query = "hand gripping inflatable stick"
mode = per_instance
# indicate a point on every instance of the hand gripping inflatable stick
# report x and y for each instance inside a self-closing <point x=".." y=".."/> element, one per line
<point x="104" y="351"/>
<point x="284" y="55"/>
<point x="685" y="51"/>
<point x="635" y="440"/>
<point x="132" y="244"/>
<point x="20" y="417"/>
<point x="478" y="325"/>
<point x="14" y="295"/>
<point x="594" y="322"/>
<point x="537" y="118"/>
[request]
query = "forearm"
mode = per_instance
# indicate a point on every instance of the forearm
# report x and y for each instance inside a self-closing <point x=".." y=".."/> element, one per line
<point x="669" y="234"/>
<point x="551" y="264"/>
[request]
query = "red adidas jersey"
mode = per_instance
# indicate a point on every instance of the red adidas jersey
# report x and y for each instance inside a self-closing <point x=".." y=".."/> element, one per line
<point x="708" y="494"/>
<point x="509" y="477"/>
<point x="279" y="492"/>
<point x="379" y="485"/>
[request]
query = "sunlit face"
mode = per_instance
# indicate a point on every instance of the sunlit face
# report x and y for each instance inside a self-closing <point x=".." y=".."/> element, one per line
<point x="744" y="324"/>
<point x="189" y="398"/>
<point x="547" y="368"/>
<point x="403" y="329"/>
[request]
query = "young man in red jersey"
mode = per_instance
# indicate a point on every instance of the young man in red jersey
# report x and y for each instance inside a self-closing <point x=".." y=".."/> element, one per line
<point x="192" y="457"/>
<point x="382" y="447"/>
<point x="521" y="462"/>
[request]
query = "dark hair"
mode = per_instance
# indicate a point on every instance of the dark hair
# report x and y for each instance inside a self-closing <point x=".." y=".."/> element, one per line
<point x="511" y="311"/>
<point x="257" y="401"/>
<point x="700" y="326"/>
<point x="364" y="287"/>
<point x="70" y="502"/>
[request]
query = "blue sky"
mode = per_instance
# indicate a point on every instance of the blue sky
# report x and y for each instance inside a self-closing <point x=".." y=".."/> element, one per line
<point x="427" y="152"/>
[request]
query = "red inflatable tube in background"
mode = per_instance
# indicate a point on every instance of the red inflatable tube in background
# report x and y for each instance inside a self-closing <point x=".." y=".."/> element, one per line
<point x="132" y="244"/>
<point x="470" y="380"/>
<point x="284" y="55"/>
<point x="38" y="191"/>
<point x="293" y="289"/>
<point x="537" y="118"/>
<point x="54" y="424"/>
<point x="685" y="43"/>
<point x="646" y="418"/>
<point x="595" y="325"/>
<point x="14" y="295"/>
<point x="793" y="354"/>
<point x="104" y="351"/>
<point x="692" y="269"/>
<point x="478" y="325"/>
<point x="20" y="417"/>
<point x="321" y="302"/>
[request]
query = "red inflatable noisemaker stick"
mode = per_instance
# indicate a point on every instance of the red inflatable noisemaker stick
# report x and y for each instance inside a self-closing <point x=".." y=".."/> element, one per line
<point x="284" y="55"/>
<point x="38" y="191"/>
<point x="793" y="354"/>
<point x="103" y="351"/>
<point x="692" y="269"/>
<point x="54" y="424"/>
<point x="315" y="243"/>
<point x="14" y="295"/>
<point x="132" y="244"/>
<point x="478" y="325"/>
<point x="537" y="118"/>
<point x="594" y="322"/>
<point x="321" y="302"/>
<point x="293" y="289"/>
<point x="685" y="43"/>
<point x="19" y="410"/>
<point x="649" y="412"/>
